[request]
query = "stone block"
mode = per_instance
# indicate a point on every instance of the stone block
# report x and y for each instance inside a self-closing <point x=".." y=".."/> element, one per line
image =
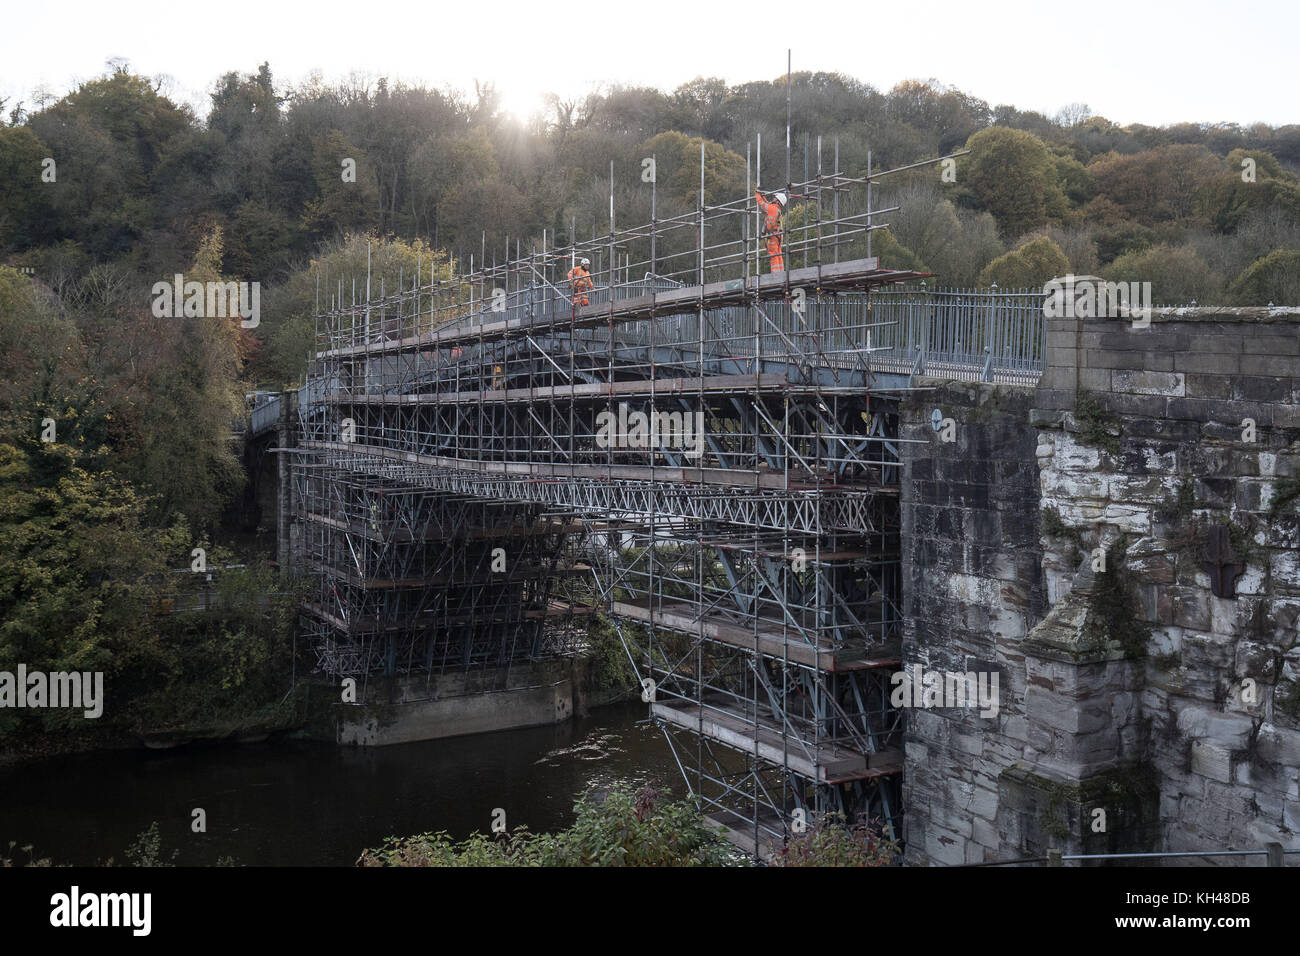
<point x="944" y="847"/>
<point x="1216" y="363"/>
<point x="1224" y="730"/>
<point x="1142" y="382"/>
<point x="1191" y="608"/>
<point x="1095" y="379"/>
<point x="1202" y="385"/>
<point x="1278" y="745"/>
<point x="1271" y="345"/>
<point x="1276" y="365"/>
<point x="1211" y="761"/>
<point x="1258" y="388"/>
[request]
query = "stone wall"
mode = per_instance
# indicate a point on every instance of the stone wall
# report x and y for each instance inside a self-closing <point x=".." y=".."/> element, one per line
<point x="973" y="592"/>
<point x="1122" y="545"/>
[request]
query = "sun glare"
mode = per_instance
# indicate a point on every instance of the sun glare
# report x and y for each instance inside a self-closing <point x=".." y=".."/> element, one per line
<point x="522" y="104"/>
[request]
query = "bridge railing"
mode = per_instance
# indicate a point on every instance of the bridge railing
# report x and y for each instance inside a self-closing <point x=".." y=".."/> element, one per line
<point x="264" y="416"/>
<point x="965" y="334"/>
<point x="961" y="334"/>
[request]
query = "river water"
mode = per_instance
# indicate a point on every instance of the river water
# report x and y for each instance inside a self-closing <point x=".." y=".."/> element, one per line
<point x="292" y="803"/>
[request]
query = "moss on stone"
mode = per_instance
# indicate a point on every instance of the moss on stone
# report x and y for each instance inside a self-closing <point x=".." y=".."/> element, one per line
<point x="1097" y="427"/>
<point x="1054" y="527"/>
<point x="1179" y="506"/>
<point x="1241" y="539"/>
<point x="1129" y="794"/>
<point x="1284" y="493"/>
<point x="1110" y="610"/>
<point x="1166" y="662"/>
<point x="1050" y="822"/>
<point x="1115" y="787"/>
<point x="1287" y="698"/>
<point x="990" y="402"/>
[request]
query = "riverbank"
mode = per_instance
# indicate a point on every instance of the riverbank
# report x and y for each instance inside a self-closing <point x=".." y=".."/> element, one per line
<point x="314" y="711"/>
<point x="20" y="748"/>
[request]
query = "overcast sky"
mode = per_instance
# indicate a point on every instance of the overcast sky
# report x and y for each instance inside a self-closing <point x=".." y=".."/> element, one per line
<point x="1133" y="61"/>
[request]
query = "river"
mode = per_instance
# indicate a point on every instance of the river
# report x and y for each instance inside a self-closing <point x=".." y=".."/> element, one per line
<point x="294" y="803"/>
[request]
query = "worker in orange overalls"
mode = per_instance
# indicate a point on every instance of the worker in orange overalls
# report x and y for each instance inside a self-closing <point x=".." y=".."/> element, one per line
<point x="771" y="210"/>
<point x="580" y="283"/>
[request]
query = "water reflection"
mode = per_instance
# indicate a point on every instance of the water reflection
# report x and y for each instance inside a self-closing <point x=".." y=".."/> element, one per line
<point x="285" y="803"/>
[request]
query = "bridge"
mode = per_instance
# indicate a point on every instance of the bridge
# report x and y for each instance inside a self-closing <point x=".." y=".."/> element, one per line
<point x="704" y="454"/>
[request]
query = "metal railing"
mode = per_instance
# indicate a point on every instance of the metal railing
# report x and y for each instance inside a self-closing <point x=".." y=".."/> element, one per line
<point x="264" y="416"/>
<point x="962" y="334"/>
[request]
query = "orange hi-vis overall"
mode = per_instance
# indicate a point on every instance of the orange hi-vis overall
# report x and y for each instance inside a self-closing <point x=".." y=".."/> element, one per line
<point x="580" y="284"/>
<point x="772" y="231"/>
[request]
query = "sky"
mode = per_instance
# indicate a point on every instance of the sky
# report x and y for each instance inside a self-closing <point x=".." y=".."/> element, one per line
<point x="1132" y="61"/>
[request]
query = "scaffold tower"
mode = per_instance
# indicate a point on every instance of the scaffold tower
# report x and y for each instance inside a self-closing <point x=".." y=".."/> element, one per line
<point x="697" y="449"/>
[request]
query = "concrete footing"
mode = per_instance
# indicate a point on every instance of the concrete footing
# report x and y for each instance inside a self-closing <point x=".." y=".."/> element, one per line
<point x="418" y="707"/>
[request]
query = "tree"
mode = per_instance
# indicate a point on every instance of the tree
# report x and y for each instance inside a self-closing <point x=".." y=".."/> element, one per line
<point x="979" y="245"/>
<point x="186" y="457"/>
<point x="925" y="221"/>
<point x="1072" y="180"/>
<point x="1178" y="276"/>
<point x="677" y="169"/>
<point x="893" y="254"/>
<point x="1028" y="267"/>
<point x="261" y="239"/>
<point x="1254" y="182"/>
<point x="1156" y="185"/>
<point x="111" y="137"/>
<point x="702" y="107"/>
<point x="289" y="306"/>
<point x="1012" y="175"/>
<point x="341" y="204"/>
<point x="1077" y="242"/>
<point x="246" y="120"/>
<point x="1274" y="278"/>
<point x="76" y="556"/>
<point x="25" y="210"/>
<point x="1072" y="114"/>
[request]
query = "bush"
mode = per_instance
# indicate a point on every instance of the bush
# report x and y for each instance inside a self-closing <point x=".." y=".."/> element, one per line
<point x="1274" y="278"/>
<point x="1030" y="266"/>
<point x="622" y="827"/>
<point x="1177" y="274"/>
<point x="829" y="842"/>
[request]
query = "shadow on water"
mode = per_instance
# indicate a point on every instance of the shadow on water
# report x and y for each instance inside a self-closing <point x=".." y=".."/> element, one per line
<point x="283" y="803"/>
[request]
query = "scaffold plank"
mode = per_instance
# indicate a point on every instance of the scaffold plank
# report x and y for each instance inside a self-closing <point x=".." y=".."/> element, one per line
<point x="828" y="763"/>
<point x="791" y="646"/>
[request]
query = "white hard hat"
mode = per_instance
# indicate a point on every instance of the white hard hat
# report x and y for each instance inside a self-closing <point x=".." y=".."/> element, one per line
<point x="586" y="262"/>
<point x="781" y="198"/>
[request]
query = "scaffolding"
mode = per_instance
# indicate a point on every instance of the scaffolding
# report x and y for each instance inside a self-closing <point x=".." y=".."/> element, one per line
<point x="703" y="454"/>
